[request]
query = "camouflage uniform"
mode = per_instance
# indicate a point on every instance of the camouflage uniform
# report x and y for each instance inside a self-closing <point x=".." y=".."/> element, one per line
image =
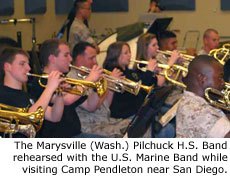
<point x="79" y="32"/>
<point x="197" y="119"/>
<point x="99" y="122"/>
<point x="202" y="52"/>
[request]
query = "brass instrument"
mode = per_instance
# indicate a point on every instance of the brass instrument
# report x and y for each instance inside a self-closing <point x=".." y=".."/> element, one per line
<point x="221" y="54"/>
<point x="115" y="84"/>
<point x="100" y="86"/>
<point x="13" y="120"/>
<point x="171" y="73"/>
<point x="222" y="97"/>
<point x="182" y="55"/>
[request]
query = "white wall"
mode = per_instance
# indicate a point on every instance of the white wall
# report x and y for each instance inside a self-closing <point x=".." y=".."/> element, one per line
<point x="206" y="15"/>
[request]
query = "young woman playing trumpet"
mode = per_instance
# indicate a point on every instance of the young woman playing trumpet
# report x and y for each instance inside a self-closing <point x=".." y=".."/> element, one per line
<point x="147" y="49"/>
<point x="125" y="105"/>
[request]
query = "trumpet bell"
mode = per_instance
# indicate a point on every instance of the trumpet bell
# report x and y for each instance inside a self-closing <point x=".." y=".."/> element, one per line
<point x="219" y="99"/>
<point x="13" y="120"/>
<point x="175" y="73"/>
<point x="101" y="87"/>
<point x="221" y="54"/>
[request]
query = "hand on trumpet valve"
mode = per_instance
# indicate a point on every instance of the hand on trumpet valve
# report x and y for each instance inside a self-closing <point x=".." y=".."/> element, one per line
<point x="54" y="80"/>
<point x="174" y="57"/>
<point x="64" y="87"/>
<point x="116" y="73"/>
<point x="95" y="74"/>
<point x="152" y="65"/>
<point x="191" y="51"/>
<point x="158" y="70"/>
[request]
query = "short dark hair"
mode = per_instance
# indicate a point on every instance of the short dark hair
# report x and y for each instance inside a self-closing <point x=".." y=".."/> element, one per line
<point x="166" y="35"/>
<point x="196" y="66"/>
<point x="80" y="48"/>
<point x="49" y="47"/>
<point x="8" y="56"/>
<point x="156" y="1"/>
<point x="208" y="31"/>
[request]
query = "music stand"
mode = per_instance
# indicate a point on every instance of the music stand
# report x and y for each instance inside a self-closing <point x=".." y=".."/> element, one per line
<point x="159" y="25"/>
<point x="149" y="18"/>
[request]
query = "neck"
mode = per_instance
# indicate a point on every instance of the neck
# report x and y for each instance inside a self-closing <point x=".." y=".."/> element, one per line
<point x="80" y="17"/>
<point x="49" y="69"/>
<point x="207" y="49"/>
<point x="123" y="67"/>
<point x="11" y="83"/>
<point x="196" y="91"/>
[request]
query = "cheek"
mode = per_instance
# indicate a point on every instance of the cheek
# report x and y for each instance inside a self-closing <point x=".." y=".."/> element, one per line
<point x="150" y="49"/>
<point x="89" y="64"/>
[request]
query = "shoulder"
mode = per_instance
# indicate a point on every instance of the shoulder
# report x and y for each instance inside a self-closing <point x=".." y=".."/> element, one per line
<point x="195" y="117"/>
<point x="202" y="52"/>
<point x="132" y="74"/>
<point x="35" y="90"/>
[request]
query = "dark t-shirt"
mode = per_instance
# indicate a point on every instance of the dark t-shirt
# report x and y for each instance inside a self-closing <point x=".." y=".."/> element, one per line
<point x="15" y="98"/>
<point x="69" y="125"/>
<point x="126" y="104"/>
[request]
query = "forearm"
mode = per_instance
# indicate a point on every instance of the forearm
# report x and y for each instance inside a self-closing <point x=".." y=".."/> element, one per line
<point x="70" y="98"/>
<point x="92" y="103"/>
<point x="56" y="110"/>
<point x="43" y="101"/>
<point x="160" y="80"/>
<point x="109" y="97"/>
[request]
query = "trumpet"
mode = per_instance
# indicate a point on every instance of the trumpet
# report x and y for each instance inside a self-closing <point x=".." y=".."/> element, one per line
<point x="144" y="62"/>
<point x="115" y="84"/>
<point x="100" y="86"/>
<point x="222" y="100"/>
<point x="171" y="73"/>
<point x="13" y="120"/>
<point x="182" y="55"/>
<point x="221" y="54"/>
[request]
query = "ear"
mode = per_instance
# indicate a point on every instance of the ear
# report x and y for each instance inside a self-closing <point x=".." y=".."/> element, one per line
<point x="78" y="60"/>
<point x="202" y="80"/>
<point x="7" y="66"/>
<point x="51" y="58"/>
<point x="205" y="40"/>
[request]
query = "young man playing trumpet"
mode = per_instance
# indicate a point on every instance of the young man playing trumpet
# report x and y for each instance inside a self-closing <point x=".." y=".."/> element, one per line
<point x="14" y="68"/>
<point x="97" y="120"/>
<point x="55" y="56"/>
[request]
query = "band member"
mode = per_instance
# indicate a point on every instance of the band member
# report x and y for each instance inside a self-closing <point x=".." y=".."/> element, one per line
<point x="97" y="120"/>
<point x="55" y="56"/>
<point x="154" y="6"/>
<point x="147" y="47"/>
<point x="196" y="118"/>
<point x="14" y="69"/>
<point x="210" y="41"/>
<point x="78" y="30"/>
<point x="72" y="15"/>
<point x="126" y="105"/>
